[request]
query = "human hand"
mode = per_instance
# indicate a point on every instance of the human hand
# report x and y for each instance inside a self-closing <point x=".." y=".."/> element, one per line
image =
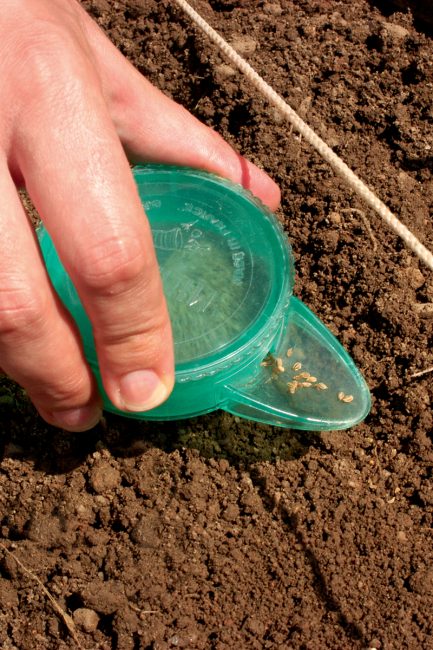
<point x="71" y="110"/>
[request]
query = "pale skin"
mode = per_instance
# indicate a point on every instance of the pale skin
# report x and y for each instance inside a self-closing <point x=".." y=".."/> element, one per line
<point x="73" y="114"/>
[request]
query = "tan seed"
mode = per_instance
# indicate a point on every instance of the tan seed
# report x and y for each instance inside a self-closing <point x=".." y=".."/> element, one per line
<point x="302" y="375"/>
<point x="305" y="384"/>
<point x="279" y="362"/>
<point x="297" y="366"/>
<point x="341" y="396"/>
<point x="321" y="386"/>
<point x="347" y="399"/>
<point x="292" y="386"/>
<point x="312" y="379"/>
<point x="289" y="352"/>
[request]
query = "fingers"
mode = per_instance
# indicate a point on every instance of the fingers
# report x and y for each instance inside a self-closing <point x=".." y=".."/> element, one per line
<point x="154" y="128"/>
<point x="90" y="206"/>
<point x="38" y="346"/>
<point x="62" y="141"/>
<point x="169" y="133"/>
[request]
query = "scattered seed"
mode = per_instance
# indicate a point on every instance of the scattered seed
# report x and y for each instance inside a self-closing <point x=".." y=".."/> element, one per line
<point x="305" y="384"/>
<point x="279" y="363"/>
<point x="302" y="375"/>
<point x="289" y="352"/>
<point x="321" y="386"/>
<point x="297" y="366"/>
<point x="292" y="386"/>
<point x="312" y="379"/>
<point x="345" y="398"/>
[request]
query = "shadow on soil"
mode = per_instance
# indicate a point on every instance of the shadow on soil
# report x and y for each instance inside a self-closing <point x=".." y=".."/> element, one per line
<point x="421" y="10"/>
<point x="216" y="435"/>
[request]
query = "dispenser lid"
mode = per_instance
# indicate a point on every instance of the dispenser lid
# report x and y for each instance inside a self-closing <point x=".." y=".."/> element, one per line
<point x="226" y="267"/>
<point x="239" y="334"/>
<point x="307" y="381"/>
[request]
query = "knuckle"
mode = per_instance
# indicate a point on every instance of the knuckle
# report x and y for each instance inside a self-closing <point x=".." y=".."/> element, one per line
<point x="146" y="342"/>
<point x="42" y="50"/>
<point x="71" y="392"/>
<point x="152" y="328"/>
<point x="22" y="311"/>
<point x="46" y="64"/>
<point x="112" y="266"/>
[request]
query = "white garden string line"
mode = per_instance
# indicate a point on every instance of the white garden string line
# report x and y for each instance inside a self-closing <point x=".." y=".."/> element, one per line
<point x="312" y="138"/>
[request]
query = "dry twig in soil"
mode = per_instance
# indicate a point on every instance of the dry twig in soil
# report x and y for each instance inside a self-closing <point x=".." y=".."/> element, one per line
<point x="421" y="373"/>
<point x="70" y="625"/>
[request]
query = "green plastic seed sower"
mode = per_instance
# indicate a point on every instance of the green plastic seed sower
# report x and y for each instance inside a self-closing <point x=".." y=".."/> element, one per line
<point x="243" y="342"/>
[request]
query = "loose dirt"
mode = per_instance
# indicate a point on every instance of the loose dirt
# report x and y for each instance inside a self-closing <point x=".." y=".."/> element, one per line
<point x="218" y="533"/>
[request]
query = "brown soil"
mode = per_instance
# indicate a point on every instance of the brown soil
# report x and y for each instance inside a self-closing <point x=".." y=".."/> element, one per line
<point x="220" y="533"/>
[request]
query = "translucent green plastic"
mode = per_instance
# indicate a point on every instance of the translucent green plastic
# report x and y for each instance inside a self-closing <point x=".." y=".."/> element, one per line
<point x="228" y="275"/>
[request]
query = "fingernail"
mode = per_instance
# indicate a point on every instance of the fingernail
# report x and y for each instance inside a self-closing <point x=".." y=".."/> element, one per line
<point x="80" y="419"/>
<point x="142" y="390"/>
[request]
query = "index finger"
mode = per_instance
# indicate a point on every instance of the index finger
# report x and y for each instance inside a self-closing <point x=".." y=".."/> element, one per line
<point x="80" y="181"/>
